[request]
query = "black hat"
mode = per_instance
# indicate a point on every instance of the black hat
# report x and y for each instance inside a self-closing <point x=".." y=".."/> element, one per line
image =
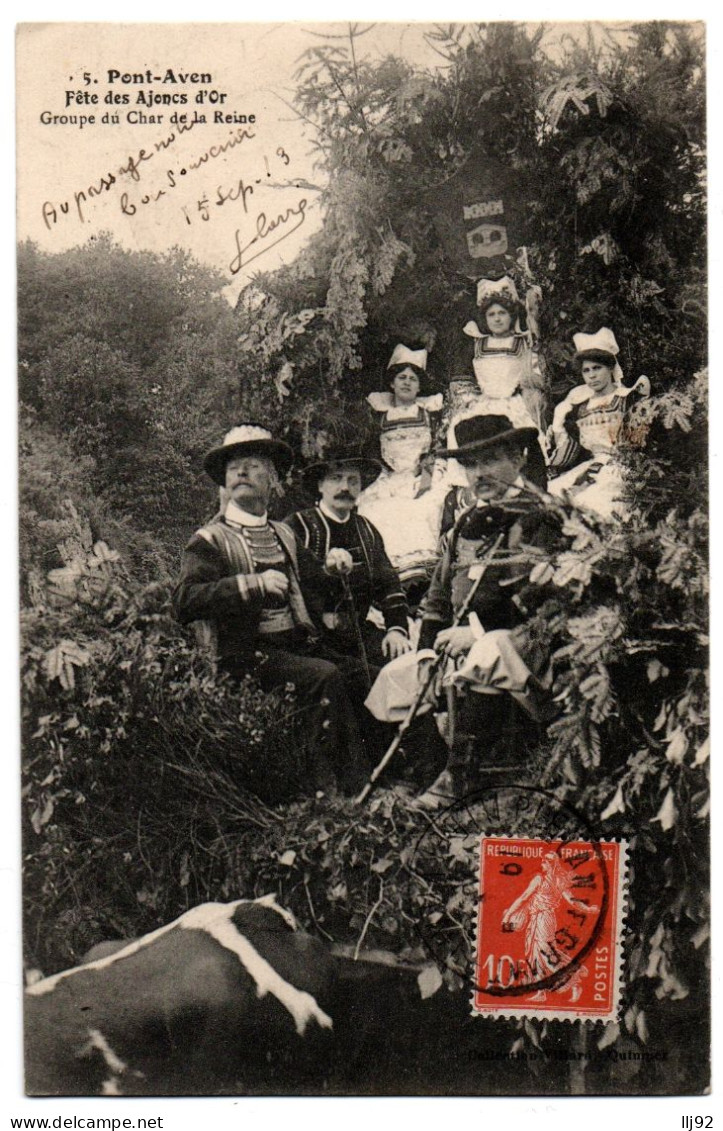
<point x="474" y="434"/>
<point x="251" y="440"/>
<point x="369" y="469"/>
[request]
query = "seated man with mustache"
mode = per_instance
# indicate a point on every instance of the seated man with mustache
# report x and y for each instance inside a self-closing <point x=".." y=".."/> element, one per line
<point x="245" y="576"/>
<point x="352" y="552"/>
<point x="502" y="661"/>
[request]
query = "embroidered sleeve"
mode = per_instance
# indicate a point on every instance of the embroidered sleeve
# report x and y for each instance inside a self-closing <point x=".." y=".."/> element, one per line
<point x="206" y="591"/>
<point x="388" y="592"/>
<point x="565" y="455"/>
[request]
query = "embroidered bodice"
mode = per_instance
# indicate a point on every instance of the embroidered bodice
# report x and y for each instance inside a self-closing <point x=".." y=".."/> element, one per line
<point x="501" y="365"/>
<point x="599" y="419"/>
<point x="405" y="430"/>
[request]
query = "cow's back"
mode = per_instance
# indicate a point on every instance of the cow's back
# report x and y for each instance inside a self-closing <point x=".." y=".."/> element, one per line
<point x="197" y="998"/>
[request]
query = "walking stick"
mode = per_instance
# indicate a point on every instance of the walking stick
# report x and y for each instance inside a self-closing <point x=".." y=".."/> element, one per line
<point x="427" y="683"/>
<point x="357" y="629"/>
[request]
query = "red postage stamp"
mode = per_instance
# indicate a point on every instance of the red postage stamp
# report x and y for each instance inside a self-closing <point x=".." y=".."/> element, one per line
<point x="549" y="929"/>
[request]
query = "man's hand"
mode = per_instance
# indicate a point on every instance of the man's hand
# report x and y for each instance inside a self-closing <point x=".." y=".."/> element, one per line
<point x="454" y="641"/>
<point x="275" y="583"/>
<point x="330" y="621"/>
<point x="395" y="644"/>
<point x="339" y="562"/>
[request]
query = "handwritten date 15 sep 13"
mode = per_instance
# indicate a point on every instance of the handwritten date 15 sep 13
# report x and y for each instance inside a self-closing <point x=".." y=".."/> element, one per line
<point x="282" y="226"/>
<point x="239" y="191"/>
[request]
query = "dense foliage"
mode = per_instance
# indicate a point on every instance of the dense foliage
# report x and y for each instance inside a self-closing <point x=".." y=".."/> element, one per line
<point x="606" y="140"/>
<point x="131" y="359"/>
<point x="140" y="759"/>
<point x="149" y="784"/>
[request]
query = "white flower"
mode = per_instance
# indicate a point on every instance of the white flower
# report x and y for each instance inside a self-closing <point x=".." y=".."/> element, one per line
<point x="339" y="561"/>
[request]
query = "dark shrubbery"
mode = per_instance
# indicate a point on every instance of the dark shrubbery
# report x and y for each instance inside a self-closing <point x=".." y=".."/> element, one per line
<point x="140" y="764"/>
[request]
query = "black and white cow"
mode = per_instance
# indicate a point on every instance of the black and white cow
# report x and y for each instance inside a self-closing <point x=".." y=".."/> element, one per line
<point x="198" y="999"/>
<point x="230" y="998"/>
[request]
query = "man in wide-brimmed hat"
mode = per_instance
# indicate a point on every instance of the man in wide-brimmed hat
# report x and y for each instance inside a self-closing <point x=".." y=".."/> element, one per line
<point x="246" y="575"/>
<point x="351" y="551"/>
<point x="501" y="675"/>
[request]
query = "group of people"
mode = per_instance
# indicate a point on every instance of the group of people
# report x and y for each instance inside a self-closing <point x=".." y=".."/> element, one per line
<point x="318" y="601"/>
<point x="417" y="496"/>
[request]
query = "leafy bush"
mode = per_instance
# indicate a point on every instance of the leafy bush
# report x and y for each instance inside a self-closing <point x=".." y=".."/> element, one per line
<point x="138" y="376"/>
<point x="140" y="764"/>
<point x="55" y="483"/>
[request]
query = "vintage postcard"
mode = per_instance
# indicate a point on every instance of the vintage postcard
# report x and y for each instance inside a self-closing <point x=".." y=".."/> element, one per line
<point x="363" y="548"/>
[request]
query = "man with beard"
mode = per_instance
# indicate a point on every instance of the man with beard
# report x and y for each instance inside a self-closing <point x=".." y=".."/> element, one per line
<point x="502" y="666"/>
<point x="246" y="575"/>
<point x="351" y="550"/>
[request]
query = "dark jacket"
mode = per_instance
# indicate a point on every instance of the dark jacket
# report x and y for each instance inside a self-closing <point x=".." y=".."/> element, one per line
<point x="209" y="590"/>
<point x="505" y="597"/>
<point x="375" y="580"/>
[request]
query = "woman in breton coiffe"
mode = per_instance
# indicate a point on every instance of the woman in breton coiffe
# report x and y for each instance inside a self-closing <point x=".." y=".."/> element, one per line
<point x="507" y="382"/>
<point x="588" y="426"/>
<point x="405" y="502"/>
<point x="505" y="364"/>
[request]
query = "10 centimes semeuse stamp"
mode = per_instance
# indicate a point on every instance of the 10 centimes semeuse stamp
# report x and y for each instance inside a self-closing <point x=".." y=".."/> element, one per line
<point x="549" y="928"/>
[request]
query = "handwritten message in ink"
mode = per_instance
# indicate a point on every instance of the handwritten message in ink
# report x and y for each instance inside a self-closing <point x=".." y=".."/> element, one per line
<point x="208" y="162"/>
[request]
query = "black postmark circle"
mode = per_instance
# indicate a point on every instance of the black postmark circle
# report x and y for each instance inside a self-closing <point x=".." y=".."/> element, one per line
<point x="445" y="861"/>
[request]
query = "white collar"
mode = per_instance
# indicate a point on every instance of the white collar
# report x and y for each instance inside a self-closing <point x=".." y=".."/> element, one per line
<point x="235" y="513"/>
<point x="401" y="411"/>
<point x="328" y="513"/>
